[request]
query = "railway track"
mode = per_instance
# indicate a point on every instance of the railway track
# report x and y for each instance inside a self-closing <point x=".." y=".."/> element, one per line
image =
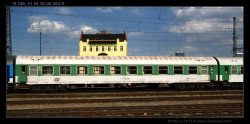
<point x="227" y="103"/>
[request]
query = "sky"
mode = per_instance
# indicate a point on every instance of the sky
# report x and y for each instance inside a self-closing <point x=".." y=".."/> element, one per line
<point x="151" y="31"/>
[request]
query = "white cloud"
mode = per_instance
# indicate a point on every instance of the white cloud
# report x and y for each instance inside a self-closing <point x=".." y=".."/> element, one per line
<point x="64" y="10"/>
<point x="136" y="12"/>
<point x="107" y="9"/>
<point x="42" y="23"/>
<point x="135" y="34"/>
<point x="86" y="30"/>
<point x="194" y="26"/>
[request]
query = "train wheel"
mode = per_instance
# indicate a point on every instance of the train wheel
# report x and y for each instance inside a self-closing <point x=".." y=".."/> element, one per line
<point x="200" y="86"/>
<point x="181" y="86"/>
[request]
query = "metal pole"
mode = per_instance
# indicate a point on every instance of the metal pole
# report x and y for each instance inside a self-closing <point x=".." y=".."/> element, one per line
<point x="234" y="37"/>
<point x="40" y="39"/>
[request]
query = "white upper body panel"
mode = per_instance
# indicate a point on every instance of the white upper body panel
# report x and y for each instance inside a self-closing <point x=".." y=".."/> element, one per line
<point x="114" y="60"/>
<point x="230" y="60"/>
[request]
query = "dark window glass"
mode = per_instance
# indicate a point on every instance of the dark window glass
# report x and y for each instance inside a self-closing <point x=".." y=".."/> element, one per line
<point x="115" y="70"/>
<point x="163" y="69"/>
<point x="192" y="69"/>
<point x="64" y="70"/>
<point x="242" y="70"/>
<point x="47" y="70"/>
<point x="147" y="70"/>
<point x="132" y="70"/>
<point x="178" y="70"/>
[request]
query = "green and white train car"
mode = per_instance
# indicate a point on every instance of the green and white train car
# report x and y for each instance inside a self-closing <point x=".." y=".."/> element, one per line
<point x="231" y="71"/>
<point x="180" y="72"/>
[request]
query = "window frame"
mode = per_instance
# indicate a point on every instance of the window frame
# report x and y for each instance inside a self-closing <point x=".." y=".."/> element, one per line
<point x="233" y="70"/>
<point x="128" y="70"/>
<point x="115" y="70"/>
<point x="192" y="69"/>
<point x="77" y="70"/>
<point x="99" y="70"/>
<point x="166" y="70"/>
<point x="175" y="70"/>
<point x="66" y="66"/>
<point x="143" y="71"/>
<point x="48" y="74"/>
<point x="204" y="69"/>
<point x="30" y="70"/>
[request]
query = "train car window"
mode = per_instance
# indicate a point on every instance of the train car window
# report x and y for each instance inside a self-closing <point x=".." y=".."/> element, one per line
<point x="226" y="70"/>
<point x="33" y="70"/>
<point x="242" y="70"/>
<point x="115" y="70"/>
<point x="203" y="69"/>
<point x="163" y="69"/>
<point x="192" y="69"/>
<point x="132" y="70"/>
<point x="23" y="70"/>
<point x="47" y="70"/>
<point x="234" y="70"/>
<point x="178" y="70"/>
<point x="99" y="69"/>
<point x="81" y="70"/>
<point x="64" y="70"/>
<point x="147" y="70"/>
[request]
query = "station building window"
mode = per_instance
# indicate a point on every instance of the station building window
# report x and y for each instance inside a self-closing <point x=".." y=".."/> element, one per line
<point x="178" y="70"/>
<point x="147" y="70"/>
<point x="192" y="69"/>
<point x="33" y="70"/>
<point x="96" y="48"/>
<point x="90" y="49"/>
<point x="64" y="70"/>
<point x="115" y="70"/>
<point x="99" y="69"/>
<point x="47" y="70"/>
<point x="121" y="48"/>
<point x="81" y="70"/>
<point x="109" y="48"/>
<point x="234" y="70"/>
<point x="203" y="69"/>
<point x="114" y="48"/>
<point x="102" y="48"/>
<point x="84" y="48"/>
<point x="132" y="70"/>
<point x="163" y="69"/>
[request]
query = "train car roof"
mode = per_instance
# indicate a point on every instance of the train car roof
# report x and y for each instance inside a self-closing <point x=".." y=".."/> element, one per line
<point x="115" y="60"/>
<point x="230" y="60"/>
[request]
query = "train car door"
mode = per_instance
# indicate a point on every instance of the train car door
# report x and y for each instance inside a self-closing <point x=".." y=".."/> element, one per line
<point x="225" y="73"/>
<point x="212" y="72"/>
<point x="23" y="73"/>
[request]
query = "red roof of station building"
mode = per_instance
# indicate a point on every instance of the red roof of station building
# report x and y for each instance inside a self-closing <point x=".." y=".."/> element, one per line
<point x="103" y="37"/>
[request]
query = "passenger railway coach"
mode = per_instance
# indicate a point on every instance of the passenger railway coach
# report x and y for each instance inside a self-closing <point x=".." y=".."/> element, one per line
<point x="59" y="72"/>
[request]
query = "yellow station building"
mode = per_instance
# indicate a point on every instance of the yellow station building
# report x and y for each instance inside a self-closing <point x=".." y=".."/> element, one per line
<point x="103" y="44"/>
